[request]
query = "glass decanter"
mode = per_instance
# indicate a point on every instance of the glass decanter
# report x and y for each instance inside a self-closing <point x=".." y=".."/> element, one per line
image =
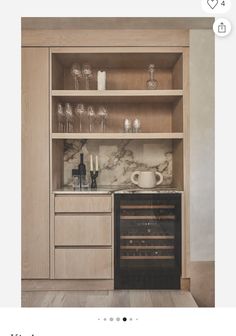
<point x="152" y="82"/>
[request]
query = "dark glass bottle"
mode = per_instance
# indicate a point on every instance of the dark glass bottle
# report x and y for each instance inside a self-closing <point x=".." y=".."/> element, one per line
<point x="82" y="171"/>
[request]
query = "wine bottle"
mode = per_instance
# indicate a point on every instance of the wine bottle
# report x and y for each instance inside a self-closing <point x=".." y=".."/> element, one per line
<point x="82" y="171"/>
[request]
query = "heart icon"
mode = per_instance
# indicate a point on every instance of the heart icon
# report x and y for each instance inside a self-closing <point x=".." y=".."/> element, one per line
<point x="212" y="3"/>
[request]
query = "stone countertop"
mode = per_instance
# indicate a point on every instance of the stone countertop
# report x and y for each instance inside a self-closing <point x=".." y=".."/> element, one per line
<point x="130" y="189"/>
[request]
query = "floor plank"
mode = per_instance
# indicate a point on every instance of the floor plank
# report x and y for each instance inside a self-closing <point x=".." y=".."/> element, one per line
<point x="117" y="298"/>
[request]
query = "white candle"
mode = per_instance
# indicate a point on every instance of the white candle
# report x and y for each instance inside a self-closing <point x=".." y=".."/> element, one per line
<point x="91" y="163"/>
<point x="96" y="163"/>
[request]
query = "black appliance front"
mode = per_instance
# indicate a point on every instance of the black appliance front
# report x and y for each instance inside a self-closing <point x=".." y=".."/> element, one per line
<point x="147" y="241"/>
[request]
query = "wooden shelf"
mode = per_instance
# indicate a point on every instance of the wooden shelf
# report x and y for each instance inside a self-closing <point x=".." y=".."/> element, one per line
<point x="147" y="257"/>
<point x="117" y="135"/>
<point x="148" y="247"/>
<point x="147" y="237"/>
<point x="149" y="217"/>
<point x="113" y="96"/>
<point x="144" y="206"/>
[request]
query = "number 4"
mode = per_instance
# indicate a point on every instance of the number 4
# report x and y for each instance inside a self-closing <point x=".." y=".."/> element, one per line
<point x="223" y="3"/>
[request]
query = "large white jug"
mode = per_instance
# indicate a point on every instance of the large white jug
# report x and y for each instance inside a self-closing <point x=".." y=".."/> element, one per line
<point x="146" y="179"/>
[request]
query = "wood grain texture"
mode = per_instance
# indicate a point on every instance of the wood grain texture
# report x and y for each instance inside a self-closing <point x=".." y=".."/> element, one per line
<point x="84" y="204"/>
<point x="66" y="285"/>
<point x="90" y="230"/>
<point x="117" y="136"/>
<point x="116" y="23"/>
<point x="35" y="163"/>
<point x="117" y="298"/>
<point x="83" y="263"/>
<point x="57" y="164"/>
<point x="102" y="37"/>
<point x="186" y="165"/>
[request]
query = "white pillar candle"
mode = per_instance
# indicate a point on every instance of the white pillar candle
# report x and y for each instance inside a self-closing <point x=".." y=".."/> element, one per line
<point x="96" y="163"/>
<point x="91" y="163"/>
<point x="101" y="78"/>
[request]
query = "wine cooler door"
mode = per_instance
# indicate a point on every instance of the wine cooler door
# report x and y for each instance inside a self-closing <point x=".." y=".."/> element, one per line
<point x="148" y="241"/>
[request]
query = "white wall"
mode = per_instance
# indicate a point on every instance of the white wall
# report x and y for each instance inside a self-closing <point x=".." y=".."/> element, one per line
<point x="201" y="145"/>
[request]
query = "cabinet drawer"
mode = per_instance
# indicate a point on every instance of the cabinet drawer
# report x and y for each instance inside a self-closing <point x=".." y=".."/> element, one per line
<point x="82" y="203"/>
<point x="83" y="263"/>
<point x="82" y="230"/>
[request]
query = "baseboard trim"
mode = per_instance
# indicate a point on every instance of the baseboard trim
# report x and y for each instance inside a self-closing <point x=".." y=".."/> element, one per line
<point x="185" y="284"/>
<point x="61" y="285"/>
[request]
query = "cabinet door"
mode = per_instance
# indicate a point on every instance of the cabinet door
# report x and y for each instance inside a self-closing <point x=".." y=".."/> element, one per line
<point x="35" y="163"/>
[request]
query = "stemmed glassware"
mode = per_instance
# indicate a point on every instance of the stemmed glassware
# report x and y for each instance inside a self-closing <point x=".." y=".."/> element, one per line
<point x="102" y="114"/>
<point x="136" y="125"/>
<point x="91" y="117"/>
<point x="87" y="73"/>
<point x="76" y="73"/>
<point x="61" y="117"/>
<point x="151" y="83"/>
<point x="79" y="111"/>
<point x="69" y="117"/>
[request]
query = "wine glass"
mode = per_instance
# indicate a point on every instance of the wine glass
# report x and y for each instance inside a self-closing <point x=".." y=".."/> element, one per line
<point x="61" y="118"/>
<point x="102" y="114"/>
<point x="136" y="125"/>
<point x="91" y="116"/>
<point x="79" y="111"/>
<point x="151" y="83"/>
<point x="87" y="73"/>
<point x="69" y="117"/>
<point x="76" y="74"/>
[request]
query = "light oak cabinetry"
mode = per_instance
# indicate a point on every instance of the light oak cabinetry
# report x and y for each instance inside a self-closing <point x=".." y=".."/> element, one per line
<point x="35" y="163"/>
<point x="81" y="226"/>
<point x="84" y="263"/>
<point x="83" y="242"/>
<point x="89" y="203"/>
<point x="80" y="230"/>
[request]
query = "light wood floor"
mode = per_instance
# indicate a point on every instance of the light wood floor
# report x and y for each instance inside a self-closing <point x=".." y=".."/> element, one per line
<point x="118" y="298"/>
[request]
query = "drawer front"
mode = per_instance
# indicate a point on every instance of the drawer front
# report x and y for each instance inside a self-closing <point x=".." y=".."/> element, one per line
<point x="82" y="203"/>
<point x="82" y="230"/>
<point x="83" y="263"/>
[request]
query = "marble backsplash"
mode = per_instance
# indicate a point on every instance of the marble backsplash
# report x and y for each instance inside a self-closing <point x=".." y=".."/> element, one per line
<point x="118" y="159"/>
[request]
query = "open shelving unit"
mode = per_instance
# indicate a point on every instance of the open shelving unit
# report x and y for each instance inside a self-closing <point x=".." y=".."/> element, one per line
<point x="161" y="112"/>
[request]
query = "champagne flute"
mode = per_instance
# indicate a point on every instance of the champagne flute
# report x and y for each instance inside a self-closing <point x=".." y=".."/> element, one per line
<point x="79" y="111"/>
<point x="87" y="73"/>
<point x="69" y="117"/>
<point x="76" y="74"/>
<point x="61" y="118"/>
<point x="91" y="116"/>
<point x="102" y="114"/>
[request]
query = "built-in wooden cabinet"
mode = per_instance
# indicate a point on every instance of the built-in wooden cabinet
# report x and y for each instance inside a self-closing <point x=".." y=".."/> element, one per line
<point x="81" y="226"/>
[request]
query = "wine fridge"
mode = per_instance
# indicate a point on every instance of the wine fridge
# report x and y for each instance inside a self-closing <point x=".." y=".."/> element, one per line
<point x="148" y="241"/>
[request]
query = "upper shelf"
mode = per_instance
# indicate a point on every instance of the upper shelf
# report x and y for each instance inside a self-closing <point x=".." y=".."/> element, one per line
<point x="165" y="96"/>
<point x="117" y="135"/>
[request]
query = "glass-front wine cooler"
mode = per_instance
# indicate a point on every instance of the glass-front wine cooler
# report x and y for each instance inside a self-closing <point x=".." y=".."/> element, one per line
<point x="148" y="241"/>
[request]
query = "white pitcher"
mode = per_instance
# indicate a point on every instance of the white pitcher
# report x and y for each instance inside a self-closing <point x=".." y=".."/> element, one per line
<point x="146" y="179"/>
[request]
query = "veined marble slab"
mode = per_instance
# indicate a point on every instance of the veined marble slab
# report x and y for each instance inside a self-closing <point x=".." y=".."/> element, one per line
<point x="118" y="159"/>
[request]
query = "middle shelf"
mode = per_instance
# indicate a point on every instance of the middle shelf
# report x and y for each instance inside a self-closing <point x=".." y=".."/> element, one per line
<point x="117" y="135"/>
<point x="114" y="96"/>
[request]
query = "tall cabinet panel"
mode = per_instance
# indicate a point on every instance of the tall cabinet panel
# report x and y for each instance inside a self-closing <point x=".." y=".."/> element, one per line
<point x="35" y="163"/>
